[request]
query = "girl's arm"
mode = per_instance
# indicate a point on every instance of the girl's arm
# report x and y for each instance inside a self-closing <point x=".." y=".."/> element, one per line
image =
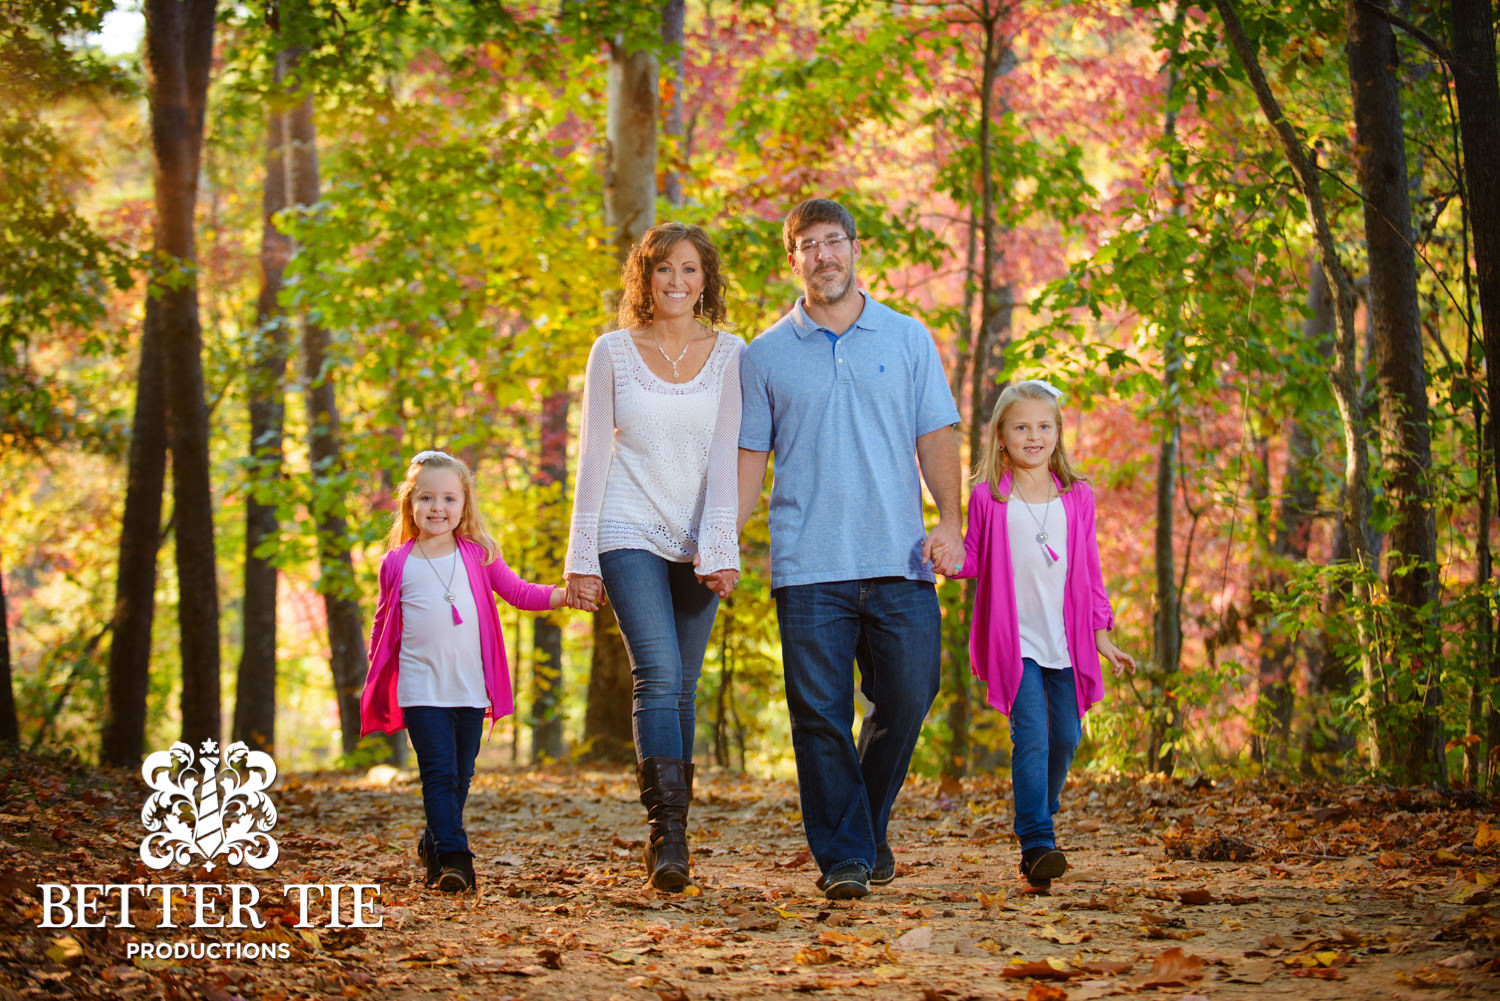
<point x="389" y="594"/>
<point x="595" y="451"/>
<point x="718" y="539"/>
<point x="518" y="593"/>
<point x="1102" y="613"/>
<point x="980" y="503"/>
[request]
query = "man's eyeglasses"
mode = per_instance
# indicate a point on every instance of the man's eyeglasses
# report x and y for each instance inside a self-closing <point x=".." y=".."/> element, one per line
<point x="833" y="245"/>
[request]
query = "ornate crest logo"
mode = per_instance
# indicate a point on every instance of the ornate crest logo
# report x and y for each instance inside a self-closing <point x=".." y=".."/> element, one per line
<point x="209" y="807"/>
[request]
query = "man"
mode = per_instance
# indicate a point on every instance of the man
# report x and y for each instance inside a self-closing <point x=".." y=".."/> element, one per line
<point x="851" y="397"/>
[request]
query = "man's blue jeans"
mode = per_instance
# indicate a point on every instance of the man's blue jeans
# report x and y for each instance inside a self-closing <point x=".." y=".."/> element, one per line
<point x="446" y="740"/>
<point x="1044" y="733"/>
<point x="889" y="627"/>
<point x="666" y="617"/>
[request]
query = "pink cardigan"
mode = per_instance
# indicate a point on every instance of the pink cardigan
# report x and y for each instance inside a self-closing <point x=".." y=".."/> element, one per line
<point x="378" y="711"/>
<point x="994" y="639"/>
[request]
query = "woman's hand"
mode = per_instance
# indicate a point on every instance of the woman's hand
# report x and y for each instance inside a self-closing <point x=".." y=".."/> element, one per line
<point x="585" y="592"/>
<point x="721" y="582"/>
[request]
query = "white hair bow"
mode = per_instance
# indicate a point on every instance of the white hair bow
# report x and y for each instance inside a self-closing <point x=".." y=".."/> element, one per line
<point x="1044" y="384"/>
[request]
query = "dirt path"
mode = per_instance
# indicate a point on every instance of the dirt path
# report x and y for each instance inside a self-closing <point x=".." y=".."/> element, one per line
<point x="1388" y="898"/>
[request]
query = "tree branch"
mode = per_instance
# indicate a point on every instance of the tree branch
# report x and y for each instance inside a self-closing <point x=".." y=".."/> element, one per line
<point x="1428" y="40"/>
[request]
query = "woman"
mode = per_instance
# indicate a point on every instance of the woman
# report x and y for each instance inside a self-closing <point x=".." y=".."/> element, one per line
<point x="655" y="505"/>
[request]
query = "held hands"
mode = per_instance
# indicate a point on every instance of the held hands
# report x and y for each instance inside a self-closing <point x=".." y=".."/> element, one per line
<point x="944" y="549"/>
<point x="720" y="582"/>
<point x="585" y="592"/>
<point x="1121" y="661"/>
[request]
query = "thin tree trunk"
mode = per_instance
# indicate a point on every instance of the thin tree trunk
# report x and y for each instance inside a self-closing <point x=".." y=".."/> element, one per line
<point x="547" y="672"/>
<point x="991" y="335"/>
<point x="1477" y="90"/>
<point x="674" y="14"/>
<point x="1344" y="374"/>
<point x="255" y="688"/>
<point x="346" y="642"/>
<point x="1166" y="717"/>
<point x="10" y="726"/>
<point x="123" y="740"/>
<point x="1401" y="376"/>
<point x="179" y="52"/>
<point x="1293" y="532"/>
<point x="629" y="210"/>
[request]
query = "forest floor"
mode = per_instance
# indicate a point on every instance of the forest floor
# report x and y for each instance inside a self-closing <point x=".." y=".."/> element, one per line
<point x="1182" y="890"/>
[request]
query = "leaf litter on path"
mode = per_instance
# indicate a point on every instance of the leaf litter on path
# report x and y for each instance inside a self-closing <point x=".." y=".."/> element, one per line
<point x="1349" y="893"/>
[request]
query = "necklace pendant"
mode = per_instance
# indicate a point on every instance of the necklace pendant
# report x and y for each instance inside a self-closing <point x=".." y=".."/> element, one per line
<point x="448" y="597"/>
<point x="1041" y="537"/>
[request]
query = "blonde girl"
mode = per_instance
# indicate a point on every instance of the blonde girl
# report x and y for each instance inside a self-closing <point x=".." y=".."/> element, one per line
<point x="437" y="658"/>
<point x="1041" y="615"/>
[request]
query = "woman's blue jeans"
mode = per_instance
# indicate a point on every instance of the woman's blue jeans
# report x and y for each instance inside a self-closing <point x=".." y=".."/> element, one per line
<point x="889" y="627"/>
<point x="446" y="740"/>
<point x="666" y="616"/>
<point x="1044" y="734"/>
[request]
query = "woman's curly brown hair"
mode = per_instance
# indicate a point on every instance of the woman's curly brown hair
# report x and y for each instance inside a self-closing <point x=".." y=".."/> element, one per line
<point x="637" y="308"/>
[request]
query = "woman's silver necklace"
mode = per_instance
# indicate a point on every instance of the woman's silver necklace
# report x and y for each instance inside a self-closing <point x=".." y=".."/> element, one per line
<point x="668" y="358"/>
<point x="1041" y="524"/>
<point x="448" y="595"/>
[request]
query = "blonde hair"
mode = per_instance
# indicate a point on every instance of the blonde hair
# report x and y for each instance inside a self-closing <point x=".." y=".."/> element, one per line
<point x="470" y="526"/>
<point x="994" y="463"/>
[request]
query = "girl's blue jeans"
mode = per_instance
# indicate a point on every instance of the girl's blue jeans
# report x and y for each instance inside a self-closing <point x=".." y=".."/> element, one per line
<point x="1044" y="734"/>
<point x="666" y="616"/>
<point x="446" y="740"/>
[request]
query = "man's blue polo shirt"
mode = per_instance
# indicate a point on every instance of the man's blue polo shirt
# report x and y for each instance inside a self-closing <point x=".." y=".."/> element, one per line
<point x="843" y="420"/>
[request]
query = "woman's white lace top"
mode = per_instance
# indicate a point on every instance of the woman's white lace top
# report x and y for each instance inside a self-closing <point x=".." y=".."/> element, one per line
<point x="657" y="461"/>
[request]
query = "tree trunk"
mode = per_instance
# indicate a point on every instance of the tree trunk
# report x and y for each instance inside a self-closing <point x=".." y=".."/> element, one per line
<point x="673" y="16"/>
<point x="629" y="210"/>
<point x="1166" y="716"/>
<point x="179" y="53"/>
<point x="346" y="642"/>
<point x="1344" y="372"/>
<point x="10" y="726"/>
<point x="1477" y="90"/>
<point x="124" y="736"/>
<point x="1395" y="318"/>
<point x="547" y="675"/>
<point x="1291" y="535"/>
<point x="991" y="335"/>
<point x="607" y="719"/>
<point x="255" y="688"/>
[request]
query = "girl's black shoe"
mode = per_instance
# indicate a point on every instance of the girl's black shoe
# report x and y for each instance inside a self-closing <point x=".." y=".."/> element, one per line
<point x="455" y="872"/>
<point x="1041" y="865"/>
<point x="427" y="854"/>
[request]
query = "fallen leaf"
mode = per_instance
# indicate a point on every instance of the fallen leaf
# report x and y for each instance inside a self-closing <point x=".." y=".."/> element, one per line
<point x="1462" y="961"/>
<point x="65" y="950"/>
<point x="916" y="939"/>
<point x="1044" y="969"/>
<point x="1173" y="968"/>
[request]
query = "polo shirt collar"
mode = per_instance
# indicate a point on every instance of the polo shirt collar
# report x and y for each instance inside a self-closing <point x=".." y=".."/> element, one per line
<point x="805" y="326"/>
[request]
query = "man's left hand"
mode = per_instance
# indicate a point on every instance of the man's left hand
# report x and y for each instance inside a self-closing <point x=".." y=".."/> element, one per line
<point x="944" y="549"/>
